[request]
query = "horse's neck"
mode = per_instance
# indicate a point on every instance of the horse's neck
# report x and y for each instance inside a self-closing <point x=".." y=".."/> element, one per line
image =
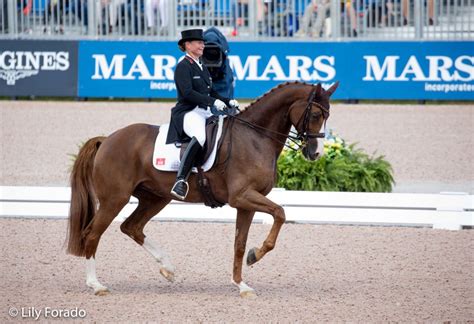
<point x="272" y="112"/>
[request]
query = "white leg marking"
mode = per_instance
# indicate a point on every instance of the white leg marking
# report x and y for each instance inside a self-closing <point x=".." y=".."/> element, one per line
<point x="244" y="290"/>
<point x="167" y="269"/>
<point x="92" y="281"/>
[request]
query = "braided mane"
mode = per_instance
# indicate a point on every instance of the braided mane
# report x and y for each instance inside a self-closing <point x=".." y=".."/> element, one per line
<point x="273" y="90"/>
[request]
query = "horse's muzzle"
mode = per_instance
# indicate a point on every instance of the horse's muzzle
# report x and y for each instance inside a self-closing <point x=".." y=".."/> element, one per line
<point x="312" y="156"/>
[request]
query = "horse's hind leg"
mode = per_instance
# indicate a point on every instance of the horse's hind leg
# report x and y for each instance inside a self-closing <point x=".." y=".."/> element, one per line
<point x="108" y="210"/>
<point x="148" y="206"/>
<point x="92" y="280"/>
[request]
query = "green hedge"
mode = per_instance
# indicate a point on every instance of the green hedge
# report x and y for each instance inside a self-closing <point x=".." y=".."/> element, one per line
<point x="341" y="168"/>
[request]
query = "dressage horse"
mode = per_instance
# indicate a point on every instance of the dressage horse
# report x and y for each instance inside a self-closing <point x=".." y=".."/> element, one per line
<point x="109" y="170"/>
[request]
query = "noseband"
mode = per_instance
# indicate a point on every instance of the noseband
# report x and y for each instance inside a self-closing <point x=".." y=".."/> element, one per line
<point x="303" y="134"/>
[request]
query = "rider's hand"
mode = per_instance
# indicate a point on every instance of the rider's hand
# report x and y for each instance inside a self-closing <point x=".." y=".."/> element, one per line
<point x="219" y="104"/>
<point x="234" y="104"/>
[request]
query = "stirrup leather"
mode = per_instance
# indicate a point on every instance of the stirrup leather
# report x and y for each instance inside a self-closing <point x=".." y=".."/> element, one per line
<point x="176" y="192"/>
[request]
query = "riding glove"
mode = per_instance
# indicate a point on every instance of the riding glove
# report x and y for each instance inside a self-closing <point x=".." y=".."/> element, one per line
<point x="234" y="103"/>
<point x="219" y="104"/>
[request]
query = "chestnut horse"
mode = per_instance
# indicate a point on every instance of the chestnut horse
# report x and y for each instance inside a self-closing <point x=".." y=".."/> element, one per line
<point x="109" y="170"/>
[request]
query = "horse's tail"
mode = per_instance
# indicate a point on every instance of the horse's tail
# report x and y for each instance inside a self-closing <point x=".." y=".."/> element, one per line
<point x="83" y="200"/>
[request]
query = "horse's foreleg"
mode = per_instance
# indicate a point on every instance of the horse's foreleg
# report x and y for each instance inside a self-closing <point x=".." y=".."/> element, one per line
<point x="149" y="205"/>
<point x="242" y="225"/>
<point x="253" y="200"/>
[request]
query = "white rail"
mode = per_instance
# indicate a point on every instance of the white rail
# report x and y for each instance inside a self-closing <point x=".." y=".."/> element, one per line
<point x="441" y="211"/>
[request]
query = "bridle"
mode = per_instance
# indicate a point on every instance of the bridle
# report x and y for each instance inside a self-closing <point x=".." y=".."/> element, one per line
<point x="303" y="135"/>
<point x="299" y="138"/>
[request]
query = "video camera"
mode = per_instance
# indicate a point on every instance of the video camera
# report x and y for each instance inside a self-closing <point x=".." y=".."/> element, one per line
<point x="215" y="59"/>
<point x="213" y="56"/>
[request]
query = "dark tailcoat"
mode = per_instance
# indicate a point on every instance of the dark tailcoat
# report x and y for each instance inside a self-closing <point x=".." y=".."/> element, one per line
<point x="194" y="87"/>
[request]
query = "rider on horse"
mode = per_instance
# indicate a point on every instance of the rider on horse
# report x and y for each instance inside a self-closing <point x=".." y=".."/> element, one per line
<point x="195" y="97"/>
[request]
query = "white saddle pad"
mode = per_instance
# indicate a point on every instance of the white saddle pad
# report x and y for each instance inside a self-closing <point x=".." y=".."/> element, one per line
<point x="166" y="156"/>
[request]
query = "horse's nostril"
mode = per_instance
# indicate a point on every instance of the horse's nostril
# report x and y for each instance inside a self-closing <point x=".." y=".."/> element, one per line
<point x="313" y="156"/>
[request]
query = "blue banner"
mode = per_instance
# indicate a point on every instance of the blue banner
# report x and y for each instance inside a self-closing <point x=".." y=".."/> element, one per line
<point x="366" y="70"/>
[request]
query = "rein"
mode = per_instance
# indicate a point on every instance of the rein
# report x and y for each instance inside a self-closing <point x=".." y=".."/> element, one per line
<point x="264" y="131"/>
<point x="298" y="138"/>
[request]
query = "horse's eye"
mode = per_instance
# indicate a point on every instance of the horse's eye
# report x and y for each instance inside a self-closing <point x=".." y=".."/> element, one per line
<point x="316" y="114"/>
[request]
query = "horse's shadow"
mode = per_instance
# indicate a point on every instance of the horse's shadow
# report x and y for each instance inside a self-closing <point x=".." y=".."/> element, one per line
<point x="211" y="288"/>
<point x="161" y="287"/>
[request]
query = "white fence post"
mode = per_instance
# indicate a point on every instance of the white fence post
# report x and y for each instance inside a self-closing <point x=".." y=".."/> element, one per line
<point x="451" y="212"/>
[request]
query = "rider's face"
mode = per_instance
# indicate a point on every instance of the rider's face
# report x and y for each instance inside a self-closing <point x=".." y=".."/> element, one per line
<point x="195" y="48"/>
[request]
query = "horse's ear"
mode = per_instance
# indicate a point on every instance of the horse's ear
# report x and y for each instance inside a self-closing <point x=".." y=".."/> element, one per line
<point x="333" y="88"/>
<point x="318" y="89"/>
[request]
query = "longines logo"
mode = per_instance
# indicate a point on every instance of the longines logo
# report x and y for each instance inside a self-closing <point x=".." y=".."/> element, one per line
<point x="16" y="65"/>
<point x="11" y="76"/>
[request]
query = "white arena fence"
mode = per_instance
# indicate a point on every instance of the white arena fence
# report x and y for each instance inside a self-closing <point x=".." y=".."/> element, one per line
<point x="440" y="211"/>
<point x="239" y="19"/>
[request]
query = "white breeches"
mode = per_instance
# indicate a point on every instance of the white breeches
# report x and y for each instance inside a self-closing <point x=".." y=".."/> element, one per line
<point x="111" y="7"/>
<point x="194" y="124"/>
<point x="150" y="8"/>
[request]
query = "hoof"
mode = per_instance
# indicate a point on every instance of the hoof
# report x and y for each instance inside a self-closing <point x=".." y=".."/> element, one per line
<point x="102" y="292"/>
<point x="248" y="294"/>
<point x="251" y="257"/>
<point x="244" y="290"/>
<point x="167" y="274"/>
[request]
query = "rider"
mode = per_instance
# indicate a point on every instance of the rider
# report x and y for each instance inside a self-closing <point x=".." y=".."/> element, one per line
<point x="195" y="97"/>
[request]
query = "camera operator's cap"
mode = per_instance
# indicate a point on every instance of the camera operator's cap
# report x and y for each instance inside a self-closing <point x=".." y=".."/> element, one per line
<point x="190" y="35"/>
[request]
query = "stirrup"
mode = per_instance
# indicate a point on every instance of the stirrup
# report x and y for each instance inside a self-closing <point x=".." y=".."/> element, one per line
<point x="176" y="192"/>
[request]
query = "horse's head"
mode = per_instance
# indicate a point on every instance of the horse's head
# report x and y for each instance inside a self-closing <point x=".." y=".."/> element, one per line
<point x="308" y="117"/>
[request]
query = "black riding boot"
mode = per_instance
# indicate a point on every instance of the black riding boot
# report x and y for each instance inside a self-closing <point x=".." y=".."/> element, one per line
<point x="180" y="188"/>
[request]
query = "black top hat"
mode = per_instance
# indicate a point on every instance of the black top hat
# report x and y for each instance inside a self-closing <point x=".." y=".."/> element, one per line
<point x="190" y="35"/>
